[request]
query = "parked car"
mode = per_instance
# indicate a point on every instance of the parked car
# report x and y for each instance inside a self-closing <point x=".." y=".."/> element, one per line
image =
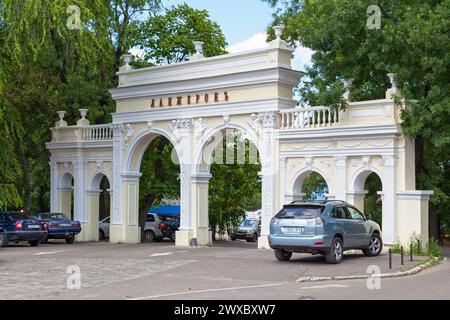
<point x="160" y="226"/>
<point x="328" y="228"/>
<point x="249" y="229"/>
<point x="21" y="226"/>
<point x="60" y="227"/>
<point x="103" y="228"/>
<point x="2" y="236"/>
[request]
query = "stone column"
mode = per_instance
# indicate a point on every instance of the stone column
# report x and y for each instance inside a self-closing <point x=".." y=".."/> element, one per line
<point x="182" y="130"/>
<point x="200" y="214"/>
<point x="389" y="219"/>
<point x="91" y="229"/>
<point x="356" y="198"/>
<point x="340" y="178"/>
<point x="64" y="196"/>
<point x="80" y="197"/>
<point x="269" y="167"/>
<point x="117" y="232"/>
<point x="54" y="198"/>
<point x="282" y="182"/>
<point x="125" y="229"/>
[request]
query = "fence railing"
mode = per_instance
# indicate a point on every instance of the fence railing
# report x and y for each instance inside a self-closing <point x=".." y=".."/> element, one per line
<point x="309" y="117"/>
<point x="98" y="133"/>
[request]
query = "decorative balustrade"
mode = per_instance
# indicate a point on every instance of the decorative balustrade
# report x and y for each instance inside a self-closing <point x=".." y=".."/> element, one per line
<point x="309" y="117"/>
<point x="98" y="133"/>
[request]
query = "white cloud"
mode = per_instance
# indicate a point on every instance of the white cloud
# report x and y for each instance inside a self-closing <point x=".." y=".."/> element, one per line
<point x="302" y="55"/>
<point x="302" y="58"/>
<point x="256" y="41"/>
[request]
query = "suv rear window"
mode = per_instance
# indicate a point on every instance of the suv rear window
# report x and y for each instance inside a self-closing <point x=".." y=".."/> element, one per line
<point x="300" y="212"/>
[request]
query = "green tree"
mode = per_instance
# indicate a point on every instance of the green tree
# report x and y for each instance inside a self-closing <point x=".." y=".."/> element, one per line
<point x="234" y="188"/>
<point x="413" y="42"/>
<point x="168" y="37"/>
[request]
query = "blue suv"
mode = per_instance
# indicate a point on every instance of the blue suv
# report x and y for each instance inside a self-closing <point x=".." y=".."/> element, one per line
<point x="328" y="228"/>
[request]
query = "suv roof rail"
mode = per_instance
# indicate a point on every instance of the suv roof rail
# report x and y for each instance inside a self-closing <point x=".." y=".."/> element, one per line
<point x="316" y="201"/>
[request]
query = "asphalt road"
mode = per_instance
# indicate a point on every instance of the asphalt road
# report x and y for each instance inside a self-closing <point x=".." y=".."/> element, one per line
<point x="224" y="272"/>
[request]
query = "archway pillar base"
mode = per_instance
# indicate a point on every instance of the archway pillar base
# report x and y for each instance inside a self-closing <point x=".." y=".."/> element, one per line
<point x="263" y="242"/>
<point x="203" y="235"/>
<point x="124" y="234"/>
<point x="85" y="234"/>
<point x="413" y="213"/>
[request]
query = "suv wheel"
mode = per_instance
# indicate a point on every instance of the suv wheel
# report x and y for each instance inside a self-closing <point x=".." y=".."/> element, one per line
<point x="70" y="239"/>
<point x="149" y="235"/>
<point x="375" y="246"/>
<point x="336" y="253"/>
<point x="3" y="239"/>
<point x="282" y="255"/>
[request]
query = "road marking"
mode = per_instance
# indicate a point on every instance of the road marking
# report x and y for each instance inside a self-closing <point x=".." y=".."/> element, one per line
<point x="49" y="252"/>
<point x="207" y="290"/>
<point x="161" y="254"/>
<point x="325" y="286"/>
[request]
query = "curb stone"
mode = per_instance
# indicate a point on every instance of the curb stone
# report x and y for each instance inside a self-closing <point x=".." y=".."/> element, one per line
<point x="397" y="274"/>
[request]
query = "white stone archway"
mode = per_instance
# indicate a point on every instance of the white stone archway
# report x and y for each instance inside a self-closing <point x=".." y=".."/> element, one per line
<point x="252" y="92"/>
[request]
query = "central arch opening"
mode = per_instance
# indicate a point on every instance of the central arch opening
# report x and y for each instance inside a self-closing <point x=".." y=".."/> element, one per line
<point x="234" y="195"/>
<point x="159" y="191"/>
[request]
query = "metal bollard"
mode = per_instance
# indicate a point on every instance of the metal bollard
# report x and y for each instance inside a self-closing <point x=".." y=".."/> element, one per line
<point x="401" y="254"/>
<point x="390" y="259"/>
<point x="419" y="248"/>
<point x="411" y="252"/>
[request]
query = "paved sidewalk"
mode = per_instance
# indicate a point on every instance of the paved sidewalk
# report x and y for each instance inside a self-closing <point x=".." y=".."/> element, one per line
<point x="160" y="270"/>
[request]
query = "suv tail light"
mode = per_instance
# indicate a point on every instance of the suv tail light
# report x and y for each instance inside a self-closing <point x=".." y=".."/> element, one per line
<point x="19" y="225"/>
<point x="54" y="225"/>
<point x="319" y="221"/>
<point x="76" y="224"/>
<point x="162" y="226"/>
<point x="274" y="220"/>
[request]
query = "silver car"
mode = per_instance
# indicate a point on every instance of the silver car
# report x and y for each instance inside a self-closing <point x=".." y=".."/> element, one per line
<point x="152" y="232"/>
<point x="328" y="228"/>
<point x="103" y="228"/>
<point x="151" y="229"/>
<point x="249" y="229"/>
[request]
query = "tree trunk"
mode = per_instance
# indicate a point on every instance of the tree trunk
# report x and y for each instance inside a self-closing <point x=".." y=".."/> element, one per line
<point x="25" y="178"/>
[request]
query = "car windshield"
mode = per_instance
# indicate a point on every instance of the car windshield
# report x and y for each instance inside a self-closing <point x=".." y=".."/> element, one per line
<point x="248" y="223"/>
<point x="22" y="216"/>
<point x="300" y="212"/>
<point x="53" y="216"/>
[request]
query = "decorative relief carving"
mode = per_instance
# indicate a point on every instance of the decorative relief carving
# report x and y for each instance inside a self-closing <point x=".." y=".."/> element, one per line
<point x="366" y="161"/>
<point x="201" y="126"/>
<point x="267" y="119"/>
<point x="128" y="132"/>
<point x="226" y="120"/>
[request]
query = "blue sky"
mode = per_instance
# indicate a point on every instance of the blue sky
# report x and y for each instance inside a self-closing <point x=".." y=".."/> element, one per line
<point x="239" y="19"/>
<point x="244" y="23"/>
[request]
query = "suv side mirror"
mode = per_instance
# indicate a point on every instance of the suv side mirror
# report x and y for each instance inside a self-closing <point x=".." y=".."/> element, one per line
<point x="368" y="216"/>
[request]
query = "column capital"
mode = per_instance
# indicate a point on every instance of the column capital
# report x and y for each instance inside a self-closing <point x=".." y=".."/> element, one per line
<point x="341" y="161"/>
<point x="130" y="176"/>
<point x="201" y="178"/>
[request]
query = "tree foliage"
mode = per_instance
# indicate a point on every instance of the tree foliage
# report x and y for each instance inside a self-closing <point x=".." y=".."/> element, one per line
<point x="413" y="41"/>
<point x="234" y="188"/>
<point x="168" y="37"/>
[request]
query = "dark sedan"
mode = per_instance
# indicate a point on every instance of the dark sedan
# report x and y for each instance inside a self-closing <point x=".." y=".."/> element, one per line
<point x="60" y="227"/>
<point x="20" y="226"/>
